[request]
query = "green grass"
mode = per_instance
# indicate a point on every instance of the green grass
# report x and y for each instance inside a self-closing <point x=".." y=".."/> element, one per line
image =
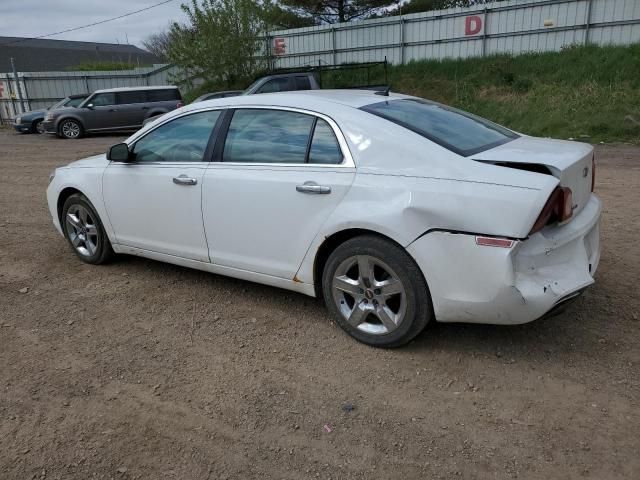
<point x="105" y="66"/>
<point x="590" y="93"/>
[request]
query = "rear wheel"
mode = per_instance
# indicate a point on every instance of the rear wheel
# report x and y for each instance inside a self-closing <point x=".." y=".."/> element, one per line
<point x="84" y="230"/>
<point x="70" y="128"/>
<point x="376" y="292"/>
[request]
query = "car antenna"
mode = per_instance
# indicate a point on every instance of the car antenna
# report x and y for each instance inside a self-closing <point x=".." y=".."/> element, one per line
<point x="385" y="91"/>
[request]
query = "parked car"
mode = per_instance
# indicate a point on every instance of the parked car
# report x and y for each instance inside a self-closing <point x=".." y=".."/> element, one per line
<point x="215" y="95"/>
<point x="31" y="122"/>
<point x="284" y="82"/>
<point x="111" y="110"/>
<point x="397" y="211"/>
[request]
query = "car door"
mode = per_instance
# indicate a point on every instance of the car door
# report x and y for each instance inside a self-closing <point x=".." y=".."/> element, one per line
<point x="277" y="177"/>
<point x="154" y="201"/>
<point x="100" y="112"/>
<point x="132" y="108"/>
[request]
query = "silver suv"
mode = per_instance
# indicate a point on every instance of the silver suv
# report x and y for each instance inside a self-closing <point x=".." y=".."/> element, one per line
<point x="113" y="110"/>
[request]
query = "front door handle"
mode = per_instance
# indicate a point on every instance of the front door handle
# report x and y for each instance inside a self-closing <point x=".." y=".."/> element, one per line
<point x="184" y="180"/>
<point x="313" y="187"/>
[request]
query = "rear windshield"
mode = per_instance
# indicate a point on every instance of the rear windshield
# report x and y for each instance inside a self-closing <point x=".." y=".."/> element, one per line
<point x="455" y="130"/>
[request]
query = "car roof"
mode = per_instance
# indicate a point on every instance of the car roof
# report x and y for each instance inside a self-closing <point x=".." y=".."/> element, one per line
<point x="128" y="89"/>
<point x="78" y="95"/>
<point x="303" y="98"/>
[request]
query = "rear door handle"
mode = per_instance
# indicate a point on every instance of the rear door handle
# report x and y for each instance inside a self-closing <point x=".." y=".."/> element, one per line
<point x="313" y="187"/>
<point x="184" y="180"/>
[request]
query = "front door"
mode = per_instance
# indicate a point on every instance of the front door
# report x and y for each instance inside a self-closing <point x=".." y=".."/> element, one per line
<point x="278" y="177"/>
<point x="103" y="112"/>
<point x="154" y="200"/>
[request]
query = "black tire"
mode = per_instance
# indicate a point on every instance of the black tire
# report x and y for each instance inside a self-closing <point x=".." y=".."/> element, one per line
<point x="90" y="248"/>
<point x="38" y="126"/>
<point x="70" y="129"/>
<point x="417" y="310"/>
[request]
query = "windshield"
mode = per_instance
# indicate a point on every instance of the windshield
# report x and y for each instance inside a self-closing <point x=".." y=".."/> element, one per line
<point x="455" y="130"/>
<point x="67" y="102"/>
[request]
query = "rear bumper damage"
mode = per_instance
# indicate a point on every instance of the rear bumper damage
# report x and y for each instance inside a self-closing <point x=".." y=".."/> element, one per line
<point x="480" y="284"/>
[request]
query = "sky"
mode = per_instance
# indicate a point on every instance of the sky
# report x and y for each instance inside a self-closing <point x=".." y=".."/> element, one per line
<point x="31" y="18"/>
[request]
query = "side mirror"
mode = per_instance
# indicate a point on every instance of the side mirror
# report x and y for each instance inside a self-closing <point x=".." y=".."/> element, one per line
<point x="90" y="106"/>
<point x="119" y="153"/>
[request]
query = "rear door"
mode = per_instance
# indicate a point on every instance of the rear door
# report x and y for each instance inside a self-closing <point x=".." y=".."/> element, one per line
<point x="132" y="108"/>
<point x="278" y="176"/>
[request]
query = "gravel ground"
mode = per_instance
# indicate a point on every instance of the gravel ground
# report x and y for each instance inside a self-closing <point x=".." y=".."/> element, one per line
<point x="140" y="369"/>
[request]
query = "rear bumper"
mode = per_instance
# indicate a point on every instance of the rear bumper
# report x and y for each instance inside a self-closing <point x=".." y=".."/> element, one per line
<point x="478" y="284"/>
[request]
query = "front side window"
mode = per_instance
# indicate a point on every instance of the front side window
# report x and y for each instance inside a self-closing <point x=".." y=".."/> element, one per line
<point x="267" y="136"/>
<point x="74" y="102"/>
<point x="184" y="139"/>
<point x="103" y="99"/>
<point x="275" y="85"/>
<point x="455" y="130"/>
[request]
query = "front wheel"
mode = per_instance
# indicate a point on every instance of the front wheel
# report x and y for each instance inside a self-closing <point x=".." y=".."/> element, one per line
<point x="38" y="127"/>
<point x="84" y="230"/>
<point x="376" y="292"/>
<point x="70" y="128"/>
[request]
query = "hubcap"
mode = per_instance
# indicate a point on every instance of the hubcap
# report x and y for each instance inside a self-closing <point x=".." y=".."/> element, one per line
<point x="40" y="127"/>
<point x="369" y="295"/>
<point x="70" y="129"/>
<point x="82" y="230"/>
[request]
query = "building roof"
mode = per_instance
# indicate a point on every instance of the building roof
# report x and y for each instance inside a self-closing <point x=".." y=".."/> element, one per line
<point x="44" y="55"/>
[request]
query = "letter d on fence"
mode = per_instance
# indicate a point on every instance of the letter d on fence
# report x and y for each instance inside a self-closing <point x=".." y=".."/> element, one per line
<point x="472" y="25"/>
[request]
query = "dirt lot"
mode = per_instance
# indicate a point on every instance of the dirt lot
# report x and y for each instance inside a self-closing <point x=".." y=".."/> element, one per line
<point x="144" y="370"/>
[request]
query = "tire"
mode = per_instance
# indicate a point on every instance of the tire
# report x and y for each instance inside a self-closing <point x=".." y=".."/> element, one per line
<point x="70" y="128"/>
<point x="84" y="230"/>
<point x="38" y="126"/>
<point x="387" y="311"/>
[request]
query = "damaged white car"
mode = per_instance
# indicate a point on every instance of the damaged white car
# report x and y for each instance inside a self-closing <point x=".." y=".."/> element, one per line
<point x="396" y="210"/>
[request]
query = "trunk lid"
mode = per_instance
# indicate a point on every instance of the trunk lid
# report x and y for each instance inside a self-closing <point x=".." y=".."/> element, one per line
<point x="569" y="162"/>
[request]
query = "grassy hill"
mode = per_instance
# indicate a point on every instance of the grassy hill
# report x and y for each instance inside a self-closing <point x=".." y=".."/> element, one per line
<point x="580" y="91"/>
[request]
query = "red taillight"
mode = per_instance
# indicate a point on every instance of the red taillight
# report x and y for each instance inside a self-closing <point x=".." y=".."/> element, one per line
<point x="593" y="173"/>
<point x="558" y="208"/>
<point x="180" y="104"/>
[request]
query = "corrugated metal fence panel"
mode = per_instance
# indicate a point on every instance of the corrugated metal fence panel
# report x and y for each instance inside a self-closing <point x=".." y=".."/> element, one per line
<point x="514" y="26"/>
<point x="42" y="89"/>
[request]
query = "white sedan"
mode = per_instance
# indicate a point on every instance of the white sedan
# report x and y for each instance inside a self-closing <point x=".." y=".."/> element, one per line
<point x="396" y="210"/>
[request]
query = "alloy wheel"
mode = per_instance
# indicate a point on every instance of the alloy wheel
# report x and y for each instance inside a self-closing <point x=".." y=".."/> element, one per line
<point x="71" y="129"/>
<point x="82" y="230"/>
<point x="40" y="127"/>
<point x="369" y="295"/>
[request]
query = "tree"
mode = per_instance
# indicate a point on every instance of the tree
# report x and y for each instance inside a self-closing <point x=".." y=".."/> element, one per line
<point x="336" y="11"/>
<point x="276" y="17"/>
<point x="220" y="40"/>
<point x="417" y="6"/>
<point x="158" y="44"/>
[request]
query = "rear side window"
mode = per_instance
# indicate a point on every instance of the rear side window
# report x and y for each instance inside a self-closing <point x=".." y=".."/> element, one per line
<point x="455" y="130"/>
<point x="267" y="136"/>
<point x="275" y="85"/>
<point x="324" y="145"/>
<point x="184" y="139"/>
<point x="165" y="95"/>
<point x="135" y="96"/>
<point x="303" y="83"/>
